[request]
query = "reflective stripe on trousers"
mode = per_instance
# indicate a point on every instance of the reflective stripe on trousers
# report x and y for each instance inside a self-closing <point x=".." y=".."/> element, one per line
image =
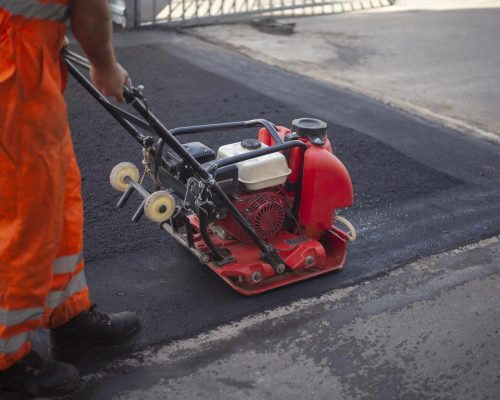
<point x="15" y="317"/>
<point x="55" y="299"/>
<point x="67" y="264"/>
<point x="13" y="344"/>
<point x="36" y="9"/>
<point x="62" y="265"/>
<point x="75" y="285"/>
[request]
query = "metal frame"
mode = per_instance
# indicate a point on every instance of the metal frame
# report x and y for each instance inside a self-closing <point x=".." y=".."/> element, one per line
<point x="203" y="12"/>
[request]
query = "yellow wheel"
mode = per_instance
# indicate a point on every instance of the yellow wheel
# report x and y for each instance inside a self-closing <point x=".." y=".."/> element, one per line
<point x="120" y="172"/>
<point x="159" y="206"/>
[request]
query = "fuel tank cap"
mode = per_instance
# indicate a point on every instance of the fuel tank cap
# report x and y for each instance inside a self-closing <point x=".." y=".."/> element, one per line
<point x="250" y="144"/>
<point x="312" y="128"/>
<point x="309" y="127"/>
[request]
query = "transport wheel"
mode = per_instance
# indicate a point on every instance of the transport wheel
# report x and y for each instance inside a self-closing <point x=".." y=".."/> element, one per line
<point x="349" y="226"/>
<point x="120" y="172"/>
<point x="159" y="206"/>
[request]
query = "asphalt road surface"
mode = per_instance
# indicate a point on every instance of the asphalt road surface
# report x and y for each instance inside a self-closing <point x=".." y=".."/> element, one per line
<point x="420" y="188"/>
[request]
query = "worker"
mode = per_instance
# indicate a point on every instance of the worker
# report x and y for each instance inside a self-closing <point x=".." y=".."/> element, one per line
<point x="42" y="280"/>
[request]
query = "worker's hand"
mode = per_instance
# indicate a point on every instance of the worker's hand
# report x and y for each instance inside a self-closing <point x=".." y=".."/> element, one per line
<point x="110" y="81"/>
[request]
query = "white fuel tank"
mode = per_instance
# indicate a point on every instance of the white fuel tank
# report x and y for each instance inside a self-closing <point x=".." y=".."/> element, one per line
<point x="257" y="173"/>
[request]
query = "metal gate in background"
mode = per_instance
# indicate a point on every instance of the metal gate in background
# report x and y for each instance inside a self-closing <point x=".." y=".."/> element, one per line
<point x="135" y="13"/>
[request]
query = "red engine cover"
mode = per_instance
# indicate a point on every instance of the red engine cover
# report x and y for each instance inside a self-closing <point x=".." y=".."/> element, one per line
<point x="264" y="210"/>
<point x="326" y="184"/>
<point x="325" y="187"/>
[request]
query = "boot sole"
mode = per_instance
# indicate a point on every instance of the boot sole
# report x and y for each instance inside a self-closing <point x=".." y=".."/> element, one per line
<point x="75" y="352"/>
<point x="62" y="390"/>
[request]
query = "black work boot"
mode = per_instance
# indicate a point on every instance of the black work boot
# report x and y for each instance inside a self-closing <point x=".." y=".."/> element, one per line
<point x="90" y="330"/>
<point x="38" y="377"/>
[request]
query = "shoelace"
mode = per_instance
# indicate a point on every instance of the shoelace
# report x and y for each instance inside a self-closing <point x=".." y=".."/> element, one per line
<point x="97" y="316"/>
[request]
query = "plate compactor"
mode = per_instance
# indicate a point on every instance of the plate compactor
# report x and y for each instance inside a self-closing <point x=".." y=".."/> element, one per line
<point x="260" y="213"/>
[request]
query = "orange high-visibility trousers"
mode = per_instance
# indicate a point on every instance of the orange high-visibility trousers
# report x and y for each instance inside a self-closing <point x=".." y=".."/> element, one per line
<point x="42" y="282"/>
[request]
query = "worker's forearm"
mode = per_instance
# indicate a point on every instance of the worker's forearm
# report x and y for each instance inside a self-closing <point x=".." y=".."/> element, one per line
<point x="92" y="28"/>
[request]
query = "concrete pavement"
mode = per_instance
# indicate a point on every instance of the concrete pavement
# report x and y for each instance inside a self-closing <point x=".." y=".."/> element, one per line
<point x="438" y="60"/>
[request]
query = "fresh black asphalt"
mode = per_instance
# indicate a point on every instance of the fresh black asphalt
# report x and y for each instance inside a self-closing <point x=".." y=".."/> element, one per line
<point x="419" y="188"/>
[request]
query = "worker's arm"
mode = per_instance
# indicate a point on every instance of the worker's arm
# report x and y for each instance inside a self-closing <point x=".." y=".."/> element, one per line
<point x="91" y="26"/>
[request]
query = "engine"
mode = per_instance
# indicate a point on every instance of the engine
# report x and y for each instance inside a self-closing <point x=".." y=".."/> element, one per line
<point x="261" y="200"/>
<point x="254" y="185"/>
<point x="265" y="210"/>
